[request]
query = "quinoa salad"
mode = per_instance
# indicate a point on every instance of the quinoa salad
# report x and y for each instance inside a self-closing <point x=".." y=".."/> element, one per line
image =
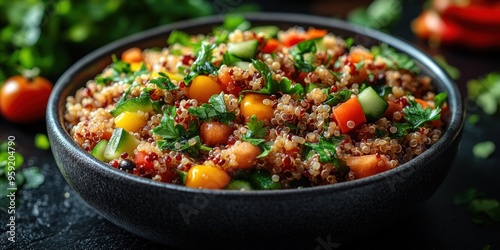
<point x="257" y="108"/>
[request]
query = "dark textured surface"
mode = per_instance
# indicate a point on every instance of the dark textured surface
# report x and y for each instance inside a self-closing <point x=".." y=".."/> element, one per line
<point x="53" y="216"/>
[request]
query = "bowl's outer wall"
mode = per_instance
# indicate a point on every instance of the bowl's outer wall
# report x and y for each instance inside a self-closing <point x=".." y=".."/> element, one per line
<point x="181" y="216"/>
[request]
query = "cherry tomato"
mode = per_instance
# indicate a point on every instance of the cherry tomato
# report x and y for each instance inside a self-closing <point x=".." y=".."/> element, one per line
<point x="23" y="99"/>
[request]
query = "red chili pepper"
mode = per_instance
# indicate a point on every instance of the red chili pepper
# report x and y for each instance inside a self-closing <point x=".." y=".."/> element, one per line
<point x="478" y="17"/>
<point x="439" y="30"/>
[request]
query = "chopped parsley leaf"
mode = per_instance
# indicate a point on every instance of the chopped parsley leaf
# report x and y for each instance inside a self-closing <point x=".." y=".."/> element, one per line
<point x="338" y="97"/>
<point x="416" y="116"/>
<point x="402" y="130"/>
<point x="360" y="64"/>
<point x="326" y="149"/>
<point x="121" y="72"/>
<point x="298" y="52"/>
<point x="176" y="137"/>
<point x="255" y="134"/>
<point x="440" y="99"/>
<point x="214" y="109"/>
<point x="393" y="59"/>
<point x="271" y="86"/>
<point x="202" y="65"/>
<point x="164" y="82"/>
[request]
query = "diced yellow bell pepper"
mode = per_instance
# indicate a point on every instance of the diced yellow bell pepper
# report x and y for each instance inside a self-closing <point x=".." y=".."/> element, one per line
<point x="203" y="176"/>
<point x="135" y="66"/>
<point x="131" y="121"/>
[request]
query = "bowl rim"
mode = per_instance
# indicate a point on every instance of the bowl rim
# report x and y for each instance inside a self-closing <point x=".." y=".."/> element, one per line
<point x="56" y="125"/>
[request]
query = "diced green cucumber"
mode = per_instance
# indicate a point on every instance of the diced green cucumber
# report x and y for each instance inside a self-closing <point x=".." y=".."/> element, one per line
<point x="373" y="105"/>
<point x="121" y="141"/>
<point x="182" y="176"/>
<point x="243" y="50"/>
<point x="98" y="150"/>
<point x="142" y="102"/>
<point x="319" y="44"/>
<point x="243" y="65"/>
<point x="262" y="180"/>
<point x="239" y="185"/>
<point x="268" y="31"/>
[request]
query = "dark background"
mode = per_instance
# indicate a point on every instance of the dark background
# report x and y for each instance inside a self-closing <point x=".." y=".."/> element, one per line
<point x="53" y="216"/>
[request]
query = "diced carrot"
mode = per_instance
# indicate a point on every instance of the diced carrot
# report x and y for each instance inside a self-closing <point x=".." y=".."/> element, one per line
<point x="293" y="39"/>
<point x="358" y="55"/>
<point x="132" y="55"/>
<point x="349" y="115"/>
<point x="313" y="33"/>
<point x="224" y="77"/>
<point x="424" y="103"/>
<point x="393" y="107"/>
<point x="367" y="165"/>
<point x="227" y="83"/>
<point x="271" y="45"/>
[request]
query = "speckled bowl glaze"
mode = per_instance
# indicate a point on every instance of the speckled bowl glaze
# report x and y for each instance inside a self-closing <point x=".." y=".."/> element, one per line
<point x="309" y="217"/>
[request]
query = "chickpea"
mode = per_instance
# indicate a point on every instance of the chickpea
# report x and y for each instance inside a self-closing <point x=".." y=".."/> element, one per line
<point x="215" y="133"/>
<point x="245" y="154"/>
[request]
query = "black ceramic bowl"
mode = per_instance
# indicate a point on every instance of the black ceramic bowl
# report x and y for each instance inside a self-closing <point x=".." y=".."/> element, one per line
<point x="185" y="217"/>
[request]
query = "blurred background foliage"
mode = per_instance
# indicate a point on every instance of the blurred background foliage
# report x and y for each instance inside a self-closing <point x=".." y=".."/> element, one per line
<point x="52" y="34"/>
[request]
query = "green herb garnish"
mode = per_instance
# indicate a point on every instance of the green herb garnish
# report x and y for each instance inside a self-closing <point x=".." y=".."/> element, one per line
<point x="271" y="86"/>
<point x="255" y="134"/>
<point x="349" y="42"/>
<point x="214" y="109"/>
<point x="164" y="82"/>
<point x="176" y="137"/>
<point x="393" y="59"/>
<point x="202" y="65"/>
<point x="121" y="72"/>
<point x="360" y="64"/>
<point x="298" y="52"/>
<point x="338" y="97"/>
<point x="325" y="148"/>
<point x="230" y="59"/>
<point x="440" y="99"/>
<point x="416" y="115"/>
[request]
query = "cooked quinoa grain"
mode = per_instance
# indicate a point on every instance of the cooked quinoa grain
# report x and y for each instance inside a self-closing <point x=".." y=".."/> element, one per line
<point x="291" y="109"/>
